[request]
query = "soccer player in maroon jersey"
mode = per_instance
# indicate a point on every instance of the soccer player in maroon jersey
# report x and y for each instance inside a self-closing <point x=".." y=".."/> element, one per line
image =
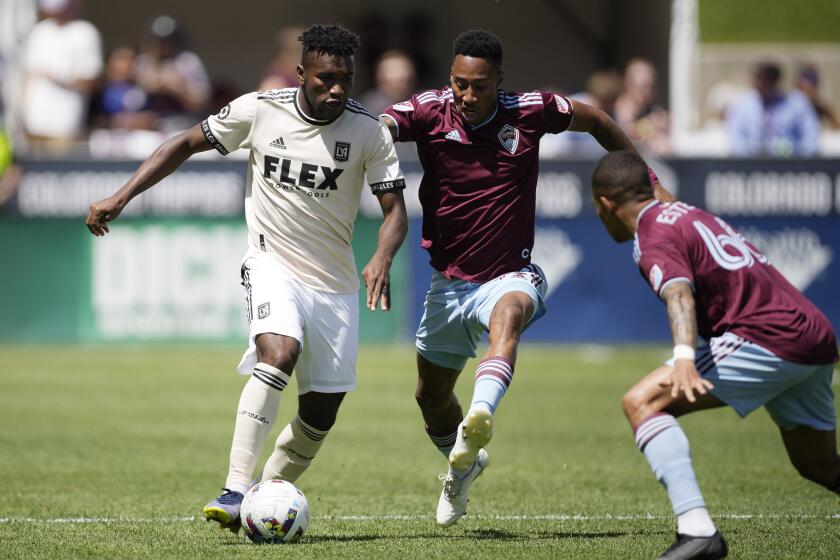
<point x="765" y="344"/>
<point x="478" y="146"/>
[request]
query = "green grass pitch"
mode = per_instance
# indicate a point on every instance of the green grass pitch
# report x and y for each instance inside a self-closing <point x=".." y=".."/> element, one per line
<point x="111" y="453"/>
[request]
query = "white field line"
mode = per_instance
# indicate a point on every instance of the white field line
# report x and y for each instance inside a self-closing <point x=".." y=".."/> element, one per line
<point x="537" y="517"/>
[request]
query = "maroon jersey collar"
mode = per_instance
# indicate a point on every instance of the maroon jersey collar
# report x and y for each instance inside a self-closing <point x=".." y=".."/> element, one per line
<point x="642" y="212"/>
<point x="489" y="119"/>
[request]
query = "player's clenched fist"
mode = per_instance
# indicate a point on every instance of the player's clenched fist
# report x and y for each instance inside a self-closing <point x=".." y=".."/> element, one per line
<point x="102" y="212"/>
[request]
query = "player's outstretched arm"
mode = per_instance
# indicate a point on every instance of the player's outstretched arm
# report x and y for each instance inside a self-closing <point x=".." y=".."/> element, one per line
<point x="377" y="273"/>
<point x="682" y="316"/>
<point x="609" y="135"/>
<point x="163" y="161"/>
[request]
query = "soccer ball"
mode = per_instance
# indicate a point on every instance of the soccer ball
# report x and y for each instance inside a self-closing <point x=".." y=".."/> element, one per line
<point x="274" y="511"/>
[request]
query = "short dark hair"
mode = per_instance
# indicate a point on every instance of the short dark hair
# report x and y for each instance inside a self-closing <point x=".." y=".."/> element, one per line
<point x="769" y="72"/>
<point x="329" y="39"/>
<point x="622" y="177"/>
<point x="479" y="43"/>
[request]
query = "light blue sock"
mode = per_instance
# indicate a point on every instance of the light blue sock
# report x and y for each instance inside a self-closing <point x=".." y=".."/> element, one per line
<point x="492" y="379"/>
<point x="665" y="447"/>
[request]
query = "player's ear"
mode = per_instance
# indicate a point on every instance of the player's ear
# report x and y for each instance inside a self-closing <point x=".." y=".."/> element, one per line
<point x="300" y="73"/>
<point x="500" y="78"/>
<point x="607" y="204"/>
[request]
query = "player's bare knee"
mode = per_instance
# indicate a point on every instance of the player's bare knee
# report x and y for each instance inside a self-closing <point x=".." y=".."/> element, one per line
<point x="283" y="360"/>
<point x="638" y="404"/>
<point x="631" y="403"/>
<point x="320" y="410"/>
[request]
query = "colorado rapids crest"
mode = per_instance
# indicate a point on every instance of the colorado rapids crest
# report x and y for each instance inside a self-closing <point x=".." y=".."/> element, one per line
<point x="509" y="137"/>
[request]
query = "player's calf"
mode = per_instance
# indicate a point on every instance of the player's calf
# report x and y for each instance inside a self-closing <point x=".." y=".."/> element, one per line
<point x="814" y="455"/>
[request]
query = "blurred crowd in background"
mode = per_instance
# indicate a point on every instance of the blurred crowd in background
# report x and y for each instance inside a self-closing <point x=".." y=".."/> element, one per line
<point x="74" y="98"/>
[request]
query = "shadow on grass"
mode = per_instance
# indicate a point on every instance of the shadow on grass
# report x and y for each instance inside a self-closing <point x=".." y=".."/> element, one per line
<point x="469" y="534"/>
<point x="497" y="535"/>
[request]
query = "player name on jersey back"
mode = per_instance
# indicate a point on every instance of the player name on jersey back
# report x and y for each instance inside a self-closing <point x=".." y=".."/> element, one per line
<point x="736" y="288"/>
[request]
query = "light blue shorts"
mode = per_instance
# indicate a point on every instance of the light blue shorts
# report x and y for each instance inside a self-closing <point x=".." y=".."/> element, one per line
<point x="747" y="376"/>
<point x="457" y="313"/>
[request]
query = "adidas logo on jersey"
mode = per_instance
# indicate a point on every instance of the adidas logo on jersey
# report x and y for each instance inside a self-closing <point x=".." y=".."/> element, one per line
<point x="278" y="143"/>
<point x="453" y="135"/>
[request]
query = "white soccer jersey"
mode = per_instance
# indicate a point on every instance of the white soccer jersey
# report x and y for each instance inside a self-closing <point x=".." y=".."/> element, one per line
<point x="305" y="180"/>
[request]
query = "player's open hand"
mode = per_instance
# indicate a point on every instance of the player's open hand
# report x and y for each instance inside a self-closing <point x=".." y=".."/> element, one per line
<point x="102" y="212"/>
<point x="378" y="284"/>
<point x="685" y="378"/>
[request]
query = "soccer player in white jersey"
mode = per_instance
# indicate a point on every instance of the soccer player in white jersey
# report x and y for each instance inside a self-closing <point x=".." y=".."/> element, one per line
<point x="311" y="148"/>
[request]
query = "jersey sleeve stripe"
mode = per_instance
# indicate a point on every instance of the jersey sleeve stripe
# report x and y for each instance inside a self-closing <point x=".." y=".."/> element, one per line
<point x="360" y="112"/>
<point x="357" y="107"/>
<point x="431" y="96"/>
<point x="211" y="138"/>
<point x="513" y="105"/>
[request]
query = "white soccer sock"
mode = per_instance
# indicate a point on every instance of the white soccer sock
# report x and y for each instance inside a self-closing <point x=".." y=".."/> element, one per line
<point x="257" y="411"/>
<point x="696" y="523"/>
<point x="294" y="451"/>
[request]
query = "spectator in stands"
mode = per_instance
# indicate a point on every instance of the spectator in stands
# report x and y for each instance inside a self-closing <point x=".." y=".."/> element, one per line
<point x="10" y="169"/>
<point x="282" y="71"/>
<point x="395" y="82"/>
<point x="636" y="111"/>
<point x="808" y="82"/>
<point x="174" y="77"/>
<point x="121" y="103"/>
<point x="766" y="121"/>
<point x="602" y="90"/>
<point x="62" y="60"/>
<point x="417" y="34"/>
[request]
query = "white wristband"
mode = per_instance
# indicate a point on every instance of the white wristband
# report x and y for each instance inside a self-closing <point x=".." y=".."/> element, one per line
<point x="683" y="352"/>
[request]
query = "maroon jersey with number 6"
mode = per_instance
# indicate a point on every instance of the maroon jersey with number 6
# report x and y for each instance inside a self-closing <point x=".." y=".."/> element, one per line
<point x="479" y="183"/>
<point x="736" y="289"/>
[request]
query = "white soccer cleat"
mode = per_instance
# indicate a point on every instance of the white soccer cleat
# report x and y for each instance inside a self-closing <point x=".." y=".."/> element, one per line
<point x="473" y="434"/>
<point x="452" y="504"/>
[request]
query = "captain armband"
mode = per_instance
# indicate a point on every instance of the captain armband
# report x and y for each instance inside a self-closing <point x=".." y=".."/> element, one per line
<point x="388" y="186"/>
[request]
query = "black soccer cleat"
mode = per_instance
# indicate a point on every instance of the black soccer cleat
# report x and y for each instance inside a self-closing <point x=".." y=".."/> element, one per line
<point x="696" y="548"/>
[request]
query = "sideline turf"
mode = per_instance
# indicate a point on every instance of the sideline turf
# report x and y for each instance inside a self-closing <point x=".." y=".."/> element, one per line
<point x="142" y="433"/>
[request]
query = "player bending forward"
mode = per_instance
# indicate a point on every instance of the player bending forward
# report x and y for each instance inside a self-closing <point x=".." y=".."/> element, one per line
<point x="765" y="344"/>
<point x="479" y="149"/>
<point x="310" y="150"/>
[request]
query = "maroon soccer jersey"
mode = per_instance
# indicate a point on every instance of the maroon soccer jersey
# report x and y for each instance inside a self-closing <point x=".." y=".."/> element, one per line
<point x="735" y="287"/>
<point x="478" y="191"/>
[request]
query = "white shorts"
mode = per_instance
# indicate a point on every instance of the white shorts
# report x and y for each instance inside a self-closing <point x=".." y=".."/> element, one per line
<point x="325" y="324"/>
<point x="457" y="313"/>
<point x="747" y="376"/>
